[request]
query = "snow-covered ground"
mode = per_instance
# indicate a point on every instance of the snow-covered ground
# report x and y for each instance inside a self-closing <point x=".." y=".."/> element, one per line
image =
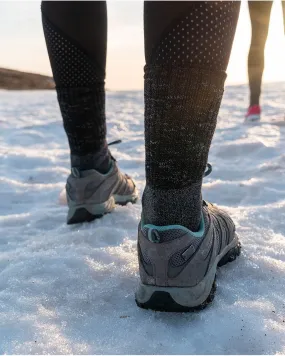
<point x="70" y="289"/>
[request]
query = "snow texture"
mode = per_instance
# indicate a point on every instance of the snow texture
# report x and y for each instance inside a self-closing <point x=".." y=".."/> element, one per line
<point x="70" y="289"/>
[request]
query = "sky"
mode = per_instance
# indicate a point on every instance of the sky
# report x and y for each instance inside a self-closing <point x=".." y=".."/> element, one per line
<point x="23" y="47"/>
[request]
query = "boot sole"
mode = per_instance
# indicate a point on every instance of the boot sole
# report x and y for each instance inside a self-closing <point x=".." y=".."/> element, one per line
<point x="188" y="299"/>
<point x="89" y="212"/>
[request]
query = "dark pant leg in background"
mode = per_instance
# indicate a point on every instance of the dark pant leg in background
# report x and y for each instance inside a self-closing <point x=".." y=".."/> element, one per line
<point x="260" y="16"/>
<point x="283" y="11"/>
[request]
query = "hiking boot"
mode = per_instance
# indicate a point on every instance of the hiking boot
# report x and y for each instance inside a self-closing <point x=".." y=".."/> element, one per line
<point x="178" y="267"/>
<point x="91" y="194"/>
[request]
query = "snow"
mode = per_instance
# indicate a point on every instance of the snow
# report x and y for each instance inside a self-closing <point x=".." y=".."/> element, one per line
<point x="70" y="289"/>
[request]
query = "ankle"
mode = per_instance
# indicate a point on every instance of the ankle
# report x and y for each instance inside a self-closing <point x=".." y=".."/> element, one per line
<point x="173" y="206"/>
<point x="100" y="160"/>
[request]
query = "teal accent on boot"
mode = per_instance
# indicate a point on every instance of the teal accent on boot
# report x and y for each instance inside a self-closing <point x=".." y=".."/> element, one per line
<point x="197" y="234"/>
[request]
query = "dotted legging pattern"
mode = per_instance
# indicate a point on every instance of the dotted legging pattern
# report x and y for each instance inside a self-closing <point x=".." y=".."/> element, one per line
<point x="71" y="66"/>
<point x="201" y="37"/>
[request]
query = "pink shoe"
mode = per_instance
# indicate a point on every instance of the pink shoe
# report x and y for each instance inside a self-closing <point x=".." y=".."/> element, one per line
<point x="253" y="113"/>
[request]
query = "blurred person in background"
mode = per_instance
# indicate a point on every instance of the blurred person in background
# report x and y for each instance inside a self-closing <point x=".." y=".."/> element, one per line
<point x="260" y="17"/>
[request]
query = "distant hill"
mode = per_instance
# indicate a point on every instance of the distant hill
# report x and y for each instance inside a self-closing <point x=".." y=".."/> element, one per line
<point x="16" y="80"/>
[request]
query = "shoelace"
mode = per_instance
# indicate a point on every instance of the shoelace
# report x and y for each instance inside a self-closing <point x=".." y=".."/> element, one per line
<point x="208" y="171"/>
<point x="114" y="142"/>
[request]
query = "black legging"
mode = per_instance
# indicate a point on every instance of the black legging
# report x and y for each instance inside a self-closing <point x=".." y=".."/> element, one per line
<point x="260" y="16"/>
<point x="76" y="37"/>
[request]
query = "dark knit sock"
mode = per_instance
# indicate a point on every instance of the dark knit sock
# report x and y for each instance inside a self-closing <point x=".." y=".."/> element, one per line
<point x="174" y="176"/>
<point x="173" y="206"/>
<point x="83" y="113"/>
<point x="101" y="161"/>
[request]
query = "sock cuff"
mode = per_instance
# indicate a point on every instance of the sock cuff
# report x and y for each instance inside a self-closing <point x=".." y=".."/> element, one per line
<point x="82" y="94"/>
<point x="161" y="80"/>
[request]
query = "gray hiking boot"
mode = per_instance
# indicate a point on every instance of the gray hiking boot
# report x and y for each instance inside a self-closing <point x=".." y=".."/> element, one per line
<point x="178" y="267"/>
<point x="91" y="194"/>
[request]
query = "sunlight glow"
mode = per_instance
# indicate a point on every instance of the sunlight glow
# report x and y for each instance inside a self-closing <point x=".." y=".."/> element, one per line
<point x="23" y="46"/>
<point x="274" y="50"/>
